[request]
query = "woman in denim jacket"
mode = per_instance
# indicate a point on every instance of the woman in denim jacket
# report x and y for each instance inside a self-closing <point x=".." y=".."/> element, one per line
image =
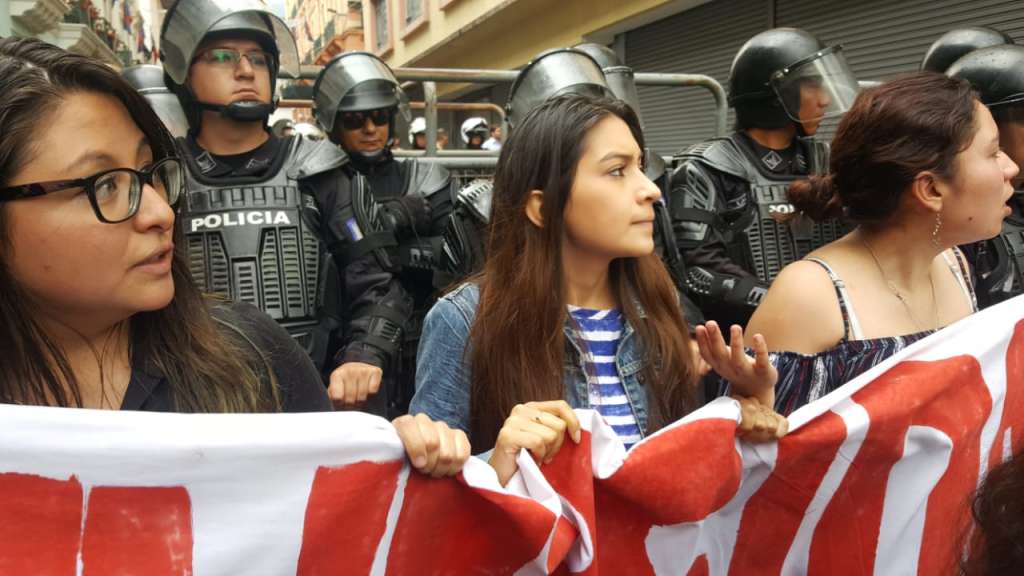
<point x="572" y="303"/>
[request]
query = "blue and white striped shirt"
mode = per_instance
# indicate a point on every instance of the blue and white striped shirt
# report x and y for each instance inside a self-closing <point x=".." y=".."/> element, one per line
<point x="601" y="331"/>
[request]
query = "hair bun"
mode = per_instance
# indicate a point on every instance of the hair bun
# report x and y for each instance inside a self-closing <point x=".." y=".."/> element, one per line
<point x="816" y="197"/>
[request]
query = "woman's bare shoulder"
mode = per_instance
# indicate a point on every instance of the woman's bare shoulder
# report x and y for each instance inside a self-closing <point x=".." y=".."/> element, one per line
<point x="801" y="311"/>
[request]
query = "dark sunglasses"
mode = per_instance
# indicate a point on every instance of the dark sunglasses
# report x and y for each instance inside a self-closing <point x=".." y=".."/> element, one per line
<point x="356" y="120"/>
<point x="115" y="194"/>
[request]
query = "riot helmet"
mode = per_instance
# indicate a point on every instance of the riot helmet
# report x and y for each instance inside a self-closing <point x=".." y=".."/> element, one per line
<point x="787" y="76"/>
<point x="354" y="83"/>
<point x="190" y="23"/>
<point x="958" y="42"/>
<point x="148" y="80"/>
<point x="618" y="83"/>
<point x="475" y="127"/>
<point x="603" y="55"/>
<point x="552" y="73"/>
<point x="997" y="73"/>
<point x="418" y="127"/>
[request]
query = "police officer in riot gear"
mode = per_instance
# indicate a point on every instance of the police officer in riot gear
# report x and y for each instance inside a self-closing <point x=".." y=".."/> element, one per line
<point x="997" y="73"/>
<point x="475" y="131"/>
<point x="148" y="80"/>
<point x="729" y="193"/>
<point x="264" y="216"/>
<point x="957" y="42"/>
<point x="356" y="99"/>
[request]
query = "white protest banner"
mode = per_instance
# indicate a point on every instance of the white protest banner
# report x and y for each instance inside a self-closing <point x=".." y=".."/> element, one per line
<point x="873" y="479"/>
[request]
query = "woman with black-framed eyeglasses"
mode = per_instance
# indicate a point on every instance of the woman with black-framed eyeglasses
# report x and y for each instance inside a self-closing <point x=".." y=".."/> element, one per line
<point x="98" y="308"/>
<point x="115" y="194"/>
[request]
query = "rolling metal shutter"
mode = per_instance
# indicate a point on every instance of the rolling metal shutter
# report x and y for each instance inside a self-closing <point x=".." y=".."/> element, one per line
<point x="699" y="41"/>
<point x="881" y="38"/>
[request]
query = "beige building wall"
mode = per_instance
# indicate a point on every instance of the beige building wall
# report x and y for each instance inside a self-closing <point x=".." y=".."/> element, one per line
<point x="501" y="33"/>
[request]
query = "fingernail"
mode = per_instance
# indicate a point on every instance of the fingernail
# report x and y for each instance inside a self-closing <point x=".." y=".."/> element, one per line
<point x="419" y="461"/>
<point x="577" y="436"/>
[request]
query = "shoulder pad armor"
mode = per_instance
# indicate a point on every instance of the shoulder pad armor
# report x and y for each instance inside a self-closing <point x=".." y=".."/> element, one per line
<point x="476" y="197"/>
<point x="427" y="178"/>
<point x="314" y="157"/>
<point x="722" y="154"/>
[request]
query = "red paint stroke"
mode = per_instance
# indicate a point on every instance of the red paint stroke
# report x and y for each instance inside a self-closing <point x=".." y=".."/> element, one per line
<point x="144" y="531"/>
<point x="948" y="395"/>
<point x="40" y="525"/>
<point x="346" y="517"/>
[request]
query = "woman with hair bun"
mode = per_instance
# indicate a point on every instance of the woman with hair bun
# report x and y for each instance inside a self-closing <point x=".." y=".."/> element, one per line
<point x="916" y="164"/>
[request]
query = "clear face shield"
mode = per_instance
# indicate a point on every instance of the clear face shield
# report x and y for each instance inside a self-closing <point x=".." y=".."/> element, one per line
<point x="356" y="82"/>
<point x="192" y="20"/>
<point x="817" y="87"/>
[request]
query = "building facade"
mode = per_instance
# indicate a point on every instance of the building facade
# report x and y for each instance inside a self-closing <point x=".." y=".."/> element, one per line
<point x="325" y="28"/>
<point x="881" y="39"/>
<point x="494" y="34"/>
<point x="112" y="31"/>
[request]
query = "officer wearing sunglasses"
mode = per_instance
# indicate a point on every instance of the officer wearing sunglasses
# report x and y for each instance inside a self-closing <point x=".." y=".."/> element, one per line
<point x="277" y="221"/>
<point x="356" y="100"/>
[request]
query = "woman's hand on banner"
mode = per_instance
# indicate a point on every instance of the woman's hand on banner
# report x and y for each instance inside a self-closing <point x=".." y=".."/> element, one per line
<point x="433" y="448"/>
<point x="539" y="427"/>
<point x="759" y="422"/>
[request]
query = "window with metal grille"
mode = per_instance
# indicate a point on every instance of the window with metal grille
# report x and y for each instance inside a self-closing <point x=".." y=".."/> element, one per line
<point x="381" y="39"/>
<point x="413" y="11"/>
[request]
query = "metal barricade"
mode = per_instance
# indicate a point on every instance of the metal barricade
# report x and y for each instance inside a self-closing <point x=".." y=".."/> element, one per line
<point x="431" y="76"/>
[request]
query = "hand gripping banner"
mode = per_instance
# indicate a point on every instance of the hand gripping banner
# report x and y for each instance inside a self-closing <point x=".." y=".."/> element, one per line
<point x="873" y="479"/>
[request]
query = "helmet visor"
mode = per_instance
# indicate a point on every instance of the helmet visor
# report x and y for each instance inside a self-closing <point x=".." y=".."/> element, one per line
<point x="821" y="86"/>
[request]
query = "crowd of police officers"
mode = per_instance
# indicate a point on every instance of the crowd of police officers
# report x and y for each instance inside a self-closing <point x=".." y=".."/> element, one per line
<point x="347" y="246"/>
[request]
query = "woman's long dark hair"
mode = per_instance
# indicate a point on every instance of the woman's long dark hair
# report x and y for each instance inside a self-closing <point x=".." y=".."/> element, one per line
<point x="206" y="371"/>
<point x="517" y="342"/>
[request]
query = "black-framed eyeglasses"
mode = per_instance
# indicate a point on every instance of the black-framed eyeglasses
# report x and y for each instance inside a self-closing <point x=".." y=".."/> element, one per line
<point x="115" y="194"/>
<point x="356" y="120"/>
<point x="230" y="57"/>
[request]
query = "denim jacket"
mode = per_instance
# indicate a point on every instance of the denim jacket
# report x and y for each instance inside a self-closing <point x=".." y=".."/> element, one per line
<point x="443" y="378"/>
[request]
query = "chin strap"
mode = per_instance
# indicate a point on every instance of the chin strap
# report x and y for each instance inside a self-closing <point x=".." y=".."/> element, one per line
<point x="246" y="111"/>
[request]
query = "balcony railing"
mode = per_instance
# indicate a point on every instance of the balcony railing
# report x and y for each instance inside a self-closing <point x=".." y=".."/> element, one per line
<point x="103" y="29"/>
<point x="78" y="15"/>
